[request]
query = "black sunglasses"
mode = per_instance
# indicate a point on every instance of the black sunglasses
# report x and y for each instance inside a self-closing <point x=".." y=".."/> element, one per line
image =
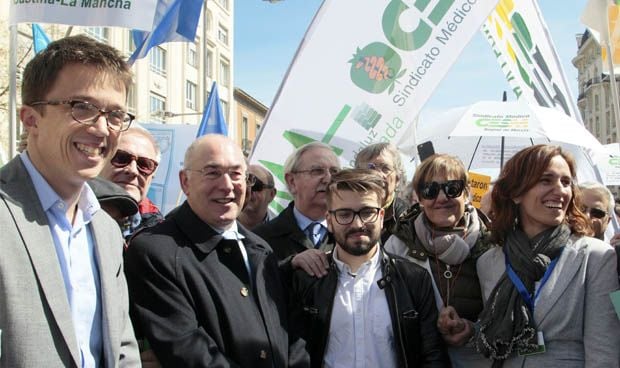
<point x="451" y="188"/>
<point x="594" y="212"/>
<point x="145" y="165"/>
<point x="259" y="185"/>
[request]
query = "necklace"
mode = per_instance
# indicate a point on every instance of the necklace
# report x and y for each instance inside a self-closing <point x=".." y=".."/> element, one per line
<point x="448" y="275"/>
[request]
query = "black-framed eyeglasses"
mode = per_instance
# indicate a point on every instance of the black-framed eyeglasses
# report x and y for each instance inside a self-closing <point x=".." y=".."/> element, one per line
<point x="451" y="188"/>
<point x="345" y="216"/>
<point x="87" y="113"/>
<point x="235" y="174"/>
<point x="319" y="171"/>
<point x="594" y="212"/>
<point x="383" y="168"/>
<point x="259" y="186"/>
<point x="145" y="165"/>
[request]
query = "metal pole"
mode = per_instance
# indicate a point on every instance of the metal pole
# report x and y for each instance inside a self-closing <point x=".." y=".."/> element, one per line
<point x="12" y="90"/>
<point x="614" y="89"/>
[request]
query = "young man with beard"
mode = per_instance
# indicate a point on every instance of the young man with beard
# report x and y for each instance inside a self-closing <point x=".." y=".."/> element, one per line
<point x="372" y="309"/>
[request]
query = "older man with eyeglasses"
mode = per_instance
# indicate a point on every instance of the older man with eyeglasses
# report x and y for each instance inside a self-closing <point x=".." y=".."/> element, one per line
<point x="133" y="167"/>
<point x="205" y="291"/>
<point x="299" y="235"/>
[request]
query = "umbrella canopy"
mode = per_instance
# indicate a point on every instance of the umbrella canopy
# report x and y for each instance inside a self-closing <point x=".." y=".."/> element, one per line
<point x="502" y="130"/>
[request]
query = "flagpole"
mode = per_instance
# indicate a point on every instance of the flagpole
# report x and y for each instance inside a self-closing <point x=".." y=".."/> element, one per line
<point x="12" y="90"/>
<point x="614" y="89"/>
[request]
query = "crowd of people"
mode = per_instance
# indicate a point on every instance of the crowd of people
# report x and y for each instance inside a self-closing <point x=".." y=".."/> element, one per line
<point x="350" y="274"/>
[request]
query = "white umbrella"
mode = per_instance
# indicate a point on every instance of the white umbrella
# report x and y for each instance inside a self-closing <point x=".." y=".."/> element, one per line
<point x="486" y="134"/>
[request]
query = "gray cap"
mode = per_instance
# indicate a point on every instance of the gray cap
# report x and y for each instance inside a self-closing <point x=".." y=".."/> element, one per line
<point x="110" y="193"/>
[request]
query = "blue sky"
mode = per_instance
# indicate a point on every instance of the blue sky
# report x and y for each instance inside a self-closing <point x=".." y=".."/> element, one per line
<point x="267" y="36"/>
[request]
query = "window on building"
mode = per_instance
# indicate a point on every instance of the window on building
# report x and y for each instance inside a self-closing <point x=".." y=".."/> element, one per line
<point x="158" y="60"/>
<point x="100" y="34"/>
<point x="209" y="20"/>
<point x="222" y="34"/>
<point x="596" y="103"/>
<point x="244" y="128"/>
<point x="224" y="73"/>
<point x="131" y="99"/>
<point x="209" y="64"/>
<point x="157" y="107"/>
<point x="223" y="3"/>
<point x="190" y="95"/>
<point x="130" y="46"/>
<point x="192" y="53"/>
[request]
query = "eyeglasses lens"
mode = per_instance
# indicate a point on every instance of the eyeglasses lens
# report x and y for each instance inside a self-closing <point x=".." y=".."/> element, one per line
<point x="451" y="188"/>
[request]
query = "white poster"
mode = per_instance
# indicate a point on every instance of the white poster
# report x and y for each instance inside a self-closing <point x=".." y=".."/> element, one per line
<point x="520" y="39"/>
<point x="173" y="141"/>
<point x="362" y="74"/>
<point x="135" y="14"/>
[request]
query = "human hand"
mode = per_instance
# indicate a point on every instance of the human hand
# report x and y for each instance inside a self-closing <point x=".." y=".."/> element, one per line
<point x="149" y="360"/>
<point x="455" y="331"/>
<point x="313" y="261"/>
<point x="615" y="240"/>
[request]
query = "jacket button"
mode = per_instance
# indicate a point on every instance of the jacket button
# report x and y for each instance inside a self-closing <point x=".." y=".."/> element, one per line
<point x="244" y="291"/>
<point x="263" y="354"/>
<point x="422" y="254"/>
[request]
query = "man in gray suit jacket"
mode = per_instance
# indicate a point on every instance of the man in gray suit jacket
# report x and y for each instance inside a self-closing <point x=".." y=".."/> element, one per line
<point x="63" y="295"/>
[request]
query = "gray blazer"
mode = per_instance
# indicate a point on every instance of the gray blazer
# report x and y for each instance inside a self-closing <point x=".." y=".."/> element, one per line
<point x="573" y="311"/>
<point x="35" y="317"/>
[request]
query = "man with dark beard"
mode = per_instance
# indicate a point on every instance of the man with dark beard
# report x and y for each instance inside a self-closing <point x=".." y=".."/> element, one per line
<point x="372" y="308"/>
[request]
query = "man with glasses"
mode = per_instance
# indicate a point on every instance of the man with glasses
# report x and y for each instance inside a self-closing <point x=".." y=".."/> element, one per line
<point x="260" y="194"/>
<point x="133" y="167"/>
<point x="384" y="158"/>
<point x="63" y="295"/>
<point x="372" y="309"/>
<point x="299" y="234"/>
<point x="205" y="291"/>
<point x="598" y="205"/>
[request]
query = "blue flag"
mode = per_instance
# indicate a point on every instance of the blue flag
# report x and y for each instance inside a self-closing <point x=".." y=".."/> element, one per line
<point x="175" y="20"/>
<point x="213" y="121"/>
<point x="39" y="38"/>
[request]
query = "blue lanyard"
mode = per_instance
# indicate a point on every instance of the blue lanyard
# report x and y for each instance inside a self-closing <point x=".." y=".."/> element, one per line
<point x="527" y="298"/>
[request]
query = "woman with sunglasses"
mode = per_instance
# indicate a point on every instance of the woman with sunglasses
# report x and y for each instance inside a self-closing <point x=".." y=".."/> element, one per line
<point x="446" y="235"/>
<point x="547" y="284"/>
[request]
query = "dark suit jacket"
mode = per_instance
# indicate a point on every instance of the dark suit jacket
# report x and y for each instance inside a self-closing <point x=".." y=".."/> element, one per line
<point x="196" y="304"/>
<point x="286" y="238"/>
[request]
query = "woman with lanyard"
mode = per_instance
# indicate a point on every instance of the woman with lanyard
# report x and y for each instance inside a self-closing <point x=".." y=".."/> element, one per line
<point x="446" y="235"/>
<point x="547" y="285"/>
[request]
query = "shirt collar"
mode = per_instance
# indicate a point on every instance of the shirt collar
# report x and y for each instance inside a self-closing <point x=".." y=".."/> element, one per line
<point x="87" y="201"/>
<point x="232" y="233"/>
<point x="303" y="221"/>
<point x="371" y="264"/>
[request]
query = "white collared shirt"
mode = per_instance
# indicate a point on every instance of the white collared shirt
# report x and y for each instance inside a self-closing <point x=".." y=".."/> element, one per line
<point x="360" y="332"/>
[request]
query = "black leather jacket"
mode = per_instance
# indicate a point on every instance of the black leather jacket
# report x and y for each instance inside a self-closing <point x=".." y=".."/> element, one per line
<point x="410" y="300"/>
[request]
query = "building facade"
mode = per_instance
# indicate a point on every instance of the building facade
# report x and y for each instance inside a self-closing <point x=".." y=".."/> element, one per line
<point x="171" y="84"/>
<point x="595" y="98"/>
<point x="250" y="114"/>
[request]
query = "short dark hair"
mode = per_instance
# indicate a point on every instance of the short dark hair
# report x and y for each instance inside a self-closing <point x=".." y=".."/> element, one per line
<point x="42" y="71"/>
<point x="357" y="180"/>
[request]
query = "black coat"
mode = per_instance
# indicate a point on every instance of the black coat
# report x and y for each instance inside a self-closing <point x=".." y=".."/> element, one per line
<point x="286" y="238"/>
<point x="195" y="303"/>
<point x="410" y="300"/>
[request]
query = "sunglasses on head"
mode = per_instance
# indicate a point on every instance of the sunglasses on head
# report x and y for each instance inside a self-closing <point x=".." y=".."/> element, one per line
<point x="451" y="188"/>
<point x="145" y="165"/>
<point x="259" y="185"/>
<point x="594" y="212"/>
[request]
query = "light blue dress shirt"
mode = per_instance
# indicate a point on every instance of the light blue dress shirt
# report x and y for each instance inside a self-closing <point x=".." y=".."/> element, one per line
<point x="74" y="245"/>
<point x="303" y="222"/>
